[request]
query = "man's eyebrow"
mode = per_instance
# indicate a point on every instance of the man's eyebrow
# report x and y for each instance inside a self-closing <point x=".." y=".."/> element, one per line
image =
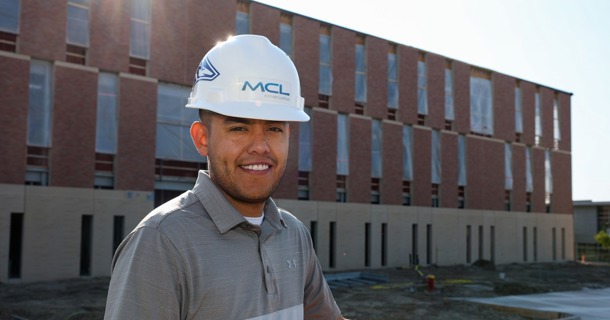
<point x="229" y="120"/>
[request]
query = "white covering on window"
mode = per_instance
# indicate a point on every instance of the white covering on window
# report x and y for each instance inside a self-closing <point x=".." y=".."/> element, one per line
<point x="556" y="129"/>
<point x="107" y="119"/>
<point x="305" y="144"/>
<point x="449" y="109"/>
<point x="422" y="92"/>
<point x="436" y="156"/>
<point x="140" y="29"/>
<point x="360" y="73"/>
<point x="407" y="153"/>
<point x="518" y="111"/>
<point x="481" y="106"/>
<point x="376" y="149"/>
<point x="40" y="107"/>
<point x="326" y="75"/>
<point x="342" y="145"/>
<point x="78" y="22"/>
<point x="508" y="167"/>
<point x="462" y="160"/>
<point x="529" y="182"/>
<point x="174" y="123"/>
<point x="538" y="115"/>
<point x="392" y="81"/>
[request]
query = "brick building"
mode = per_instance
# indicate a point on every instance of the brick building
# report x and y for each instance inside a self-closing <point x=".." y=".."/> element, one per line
<point x="409" y="157"/>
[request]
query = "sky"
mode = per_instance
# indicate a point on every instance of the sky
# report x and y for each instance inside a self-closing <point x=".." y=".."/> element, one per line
<point x="562" y="44"/>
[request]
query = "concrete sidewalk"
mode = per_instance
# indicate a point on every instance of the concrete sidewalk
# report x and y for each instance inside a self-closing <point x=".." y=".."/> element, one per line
<point x="588" y="304"/>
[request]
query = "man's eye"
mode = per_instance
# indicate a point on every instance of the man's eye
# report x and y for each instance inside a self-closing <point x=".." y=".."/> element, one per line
<point x="276" y="129"/>
<point x="237" y="129"/>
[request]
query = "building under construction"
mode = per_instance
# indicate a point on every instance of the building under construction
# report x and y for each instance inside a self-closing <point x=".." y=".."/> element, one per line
<point x="409" y="158"/>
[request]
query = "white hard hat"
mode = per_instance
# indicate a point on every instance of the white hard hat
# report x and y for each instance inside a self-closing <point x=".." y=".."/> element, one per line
<point x="248" y="77"/>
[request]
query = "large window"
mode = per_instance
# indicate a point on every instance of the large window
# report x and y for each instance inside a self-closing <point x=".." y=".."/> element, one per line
<point x="342" y="157"/>
<point x="548" y="179"/>
<point x="140" y="29"/>
<point x="376" y="160"/>
<point x="326" y="74"/>
<point x="107" y="120"/>
<point x="360" y="70"/>
<point x="508" y="167"/>
<point x="556" y="127"/>
<point x="304" y="156"/>
<point x="40" y="107"/>
<point x="436" y="167"/>
<point x="449" y="110"/>
<point x="78" y="22"/>
<point x="422" y="86"/>
<point x="518" y="110"/>
<point x="392" y="78"/>
<point x="286" y="33"/>
<point x="407" y="164"/>
<point x="538" y="118"/>
<point x="242" y="18"/>
<point x="9" y="16"/>
<point x="481" y="103"/>
<point x="173" y="124"/>
<point x="529" y="181"/>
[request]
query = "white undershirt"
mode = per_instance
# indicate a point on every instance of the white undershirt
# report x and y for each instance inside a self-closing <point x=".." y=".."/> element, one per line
<point x="256" y="220"/>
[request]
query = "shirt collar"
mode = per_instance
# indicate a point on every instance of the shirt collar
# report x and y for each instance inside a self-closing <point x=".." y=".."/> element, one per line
<point x="222" y="213"/>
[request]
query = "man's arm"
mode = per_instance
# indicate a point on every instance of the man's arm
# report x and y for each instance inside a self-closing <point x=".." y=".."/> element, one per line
<point x="146" y="280"/>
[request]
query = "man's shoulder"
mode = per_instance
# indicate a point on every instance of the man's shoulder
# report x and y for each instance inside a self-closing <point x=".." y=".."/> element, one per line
<point x="172" y="211"/>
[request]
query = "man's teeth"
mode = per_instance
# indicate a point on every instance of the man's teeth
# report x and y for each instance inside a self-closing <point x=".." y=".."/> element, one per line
<point x="257" y="167"/>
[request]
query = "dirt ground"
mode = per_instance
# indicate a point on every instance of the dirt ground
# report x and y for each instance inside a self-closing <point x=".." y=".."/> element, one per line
<point x="405" y="296"/>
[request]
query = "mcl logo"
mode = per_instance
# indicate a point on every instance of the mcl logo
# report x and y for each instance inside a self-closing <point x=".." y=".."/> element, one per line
<point x="265" y="87"/>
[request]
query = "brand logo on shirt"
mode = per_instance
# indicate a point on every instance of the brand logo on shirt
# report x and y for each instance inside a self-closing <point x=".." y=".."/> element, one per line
<point x="292" y="263"/>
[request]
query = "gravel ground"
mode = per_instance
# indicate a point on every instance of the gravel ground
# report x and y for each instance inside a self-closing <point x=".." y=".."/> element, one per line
<point x="405" y="296"/>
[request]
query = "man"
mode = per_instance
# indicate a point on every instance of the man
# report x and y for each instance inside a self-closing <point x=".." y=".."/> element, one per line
<point x="224" y="250"/>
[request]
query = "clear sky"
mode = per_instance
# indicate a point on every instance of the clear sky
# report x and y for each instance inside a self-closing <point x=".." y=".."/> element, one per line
<point x="562" y="44"/>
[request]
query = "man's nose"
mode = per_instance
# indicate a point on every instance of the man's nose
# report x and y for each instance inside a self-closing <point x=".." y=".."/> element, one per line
<point x="259" y="142"/>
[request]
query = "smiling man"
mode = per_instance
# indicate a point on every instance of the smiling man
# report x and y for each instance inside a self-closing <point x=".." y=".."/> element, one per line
<point x="224" y="250"/>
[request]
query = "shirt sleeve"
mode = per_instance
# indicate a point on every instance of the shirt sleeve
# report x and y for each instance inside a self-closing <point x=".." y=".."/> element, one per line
<point x="318" y="300"/>
<point x="147" y="279"/>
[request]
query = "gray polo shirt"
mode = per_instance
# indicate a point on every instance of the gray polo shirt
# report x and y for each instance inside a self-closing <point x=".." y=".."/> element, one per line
<point x="196" y="257"/>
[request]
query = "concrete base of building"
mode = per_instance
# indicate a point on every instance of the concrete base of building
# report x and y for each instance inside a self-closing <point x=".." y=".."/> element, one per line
<point x="51" y="233"/>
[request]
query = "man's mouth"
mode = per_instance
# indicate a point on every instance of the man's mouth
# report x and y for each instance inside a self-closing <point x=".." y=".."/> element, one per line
<point x="256" y="167"/>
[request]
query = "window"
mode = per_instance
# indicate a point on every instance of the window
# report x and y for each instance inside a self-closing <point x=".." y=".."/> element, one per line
<point x="556" y="128"/>
<point x="414" y="257"/>
<point x="508" y="175"/>
<point x="548" y="180"/>
<point x="392" y="82"/>
<point x="304" y="156"/>
<point x="78" y="23"/>
<point x="376" y="160"/>
<point x="342" y="145"/>
<point x="524" y="241"/>
<point x="538" y="123"/>
<point x="468" y="244"/>
<point x="449" y="110"/>
<point x="481" y="103"/>
<point x="242" y="18"/>
<point x="492" y="243"/>
<point x="40" y="110"/>
<point x="342" y="157"/>
<point x="461" y="160"/>
<point x="106" y="129"/>
<point x="529" y="182"/>
<point x="428" y="244"/>
<point x="422" y="87"/>
<point x="554" y="240"/>
<point x="118" y="231"/>
<point x="9" y="11"/>
<point x="360" y="90"/>
<point x="535" y="244"/>
<point x="518" y="113"/>
<point x="384" y="244"/>
<point x="436" y="167"/>
<point x="332" y="244"/>
<point x="286" y="33"/>
<point x="140" y="29"/>
<point x="407" y="164"/>
<point x="367" y="244"/>
<point x="15" y="245"/>
<point x="326" y="72"/>
<point x="86" y="244"/>
<point x="174" y="123"/>
<point x="313" y="231"/>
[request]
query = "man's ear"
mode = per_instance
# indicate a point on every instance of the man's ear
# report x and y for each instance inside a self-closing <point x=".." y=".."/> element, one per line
<point x="200" y="135"/>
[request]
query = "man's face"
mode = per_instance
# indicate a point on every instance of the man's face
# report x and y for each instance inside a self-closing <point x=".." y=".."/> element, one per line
<point x="246" y="157"/>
